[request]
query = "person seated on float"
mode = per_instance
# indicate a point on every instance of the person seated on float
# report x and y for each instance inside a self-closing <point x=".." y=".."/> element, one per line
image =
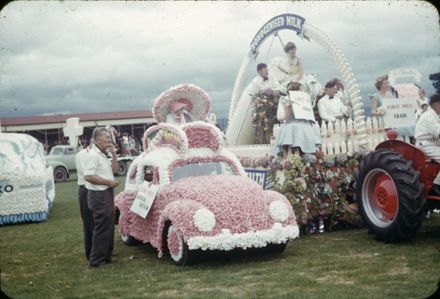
<point x="264" y="83"/>
<point x="330" y="106"/>
<point x="293" y="66"/>
<point x="178" y="113"/>
<point x="422" y="102"/>
<point x="427" y="135"/>
<point x="295" y="134"/>
<point x="341" y="92"/>
<point x="384" y="91"/>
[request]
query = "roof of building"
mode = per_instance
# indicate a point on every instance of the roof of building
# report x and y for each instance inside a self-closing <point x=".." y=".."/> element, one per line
<point x="57" y="118"/>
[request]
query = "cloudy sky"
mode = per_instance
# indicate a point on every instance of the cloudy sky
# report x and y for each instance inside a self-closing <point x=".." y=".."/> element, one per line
<point x="75" y="57"/>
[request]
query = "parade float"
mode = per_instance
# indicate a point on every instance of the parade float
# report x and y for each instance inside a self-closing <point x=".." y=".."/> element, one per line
<point x="187" y="193"/>
<point x="320" y="187"/>
<point x="27" y="189"/>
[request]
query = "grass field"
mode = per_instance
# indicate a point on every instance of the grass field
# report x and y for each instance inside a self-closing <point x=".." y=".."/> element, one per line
<point x="46" y="260"/>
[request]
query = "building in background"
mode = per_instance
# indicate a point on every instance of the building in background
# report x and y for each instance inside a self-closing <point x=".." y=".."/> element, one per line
<point x="48" y="129"/>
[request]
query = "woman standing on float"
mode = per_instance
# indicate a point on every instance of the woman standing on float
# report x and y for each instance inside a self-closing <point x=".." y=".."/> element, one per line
<point x="293" y="66"/>
<point x="296" y="136"/>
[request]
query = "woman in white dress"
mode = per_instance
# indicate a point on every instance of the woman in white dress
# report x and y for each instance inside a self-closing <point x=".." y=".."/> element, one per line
<point x="297" y="135"/>
<point x="293" y="66"/>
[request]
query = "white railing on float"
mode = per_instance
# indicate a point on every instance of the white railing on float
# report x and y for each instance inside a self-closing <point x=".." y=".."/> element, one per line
<point x="338" y="137"/>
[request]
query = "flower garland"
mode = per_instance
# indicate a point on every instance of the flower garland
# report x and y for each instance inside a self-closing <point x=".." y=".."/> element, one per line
<point x="265" y="106"/>
<point x="318" y="187"/>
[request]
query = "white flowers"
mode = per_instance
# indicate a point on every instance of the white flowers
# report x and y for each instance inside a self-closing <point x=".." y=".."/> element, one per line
<point x="29" y="196"/>
<point x="278" y="210"/>
<point x="228" y="241"/>
<point x="204" y="220"/>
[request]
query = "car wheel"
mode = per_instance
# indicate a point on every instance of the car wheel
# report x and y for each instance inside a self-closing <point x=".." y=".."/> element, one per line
<point x="128" y="240"/>
<point x="178" y="249"/>
<point x="122" y="168"/>
<point x="59" y="174"/>
<point x="390" y="196"/>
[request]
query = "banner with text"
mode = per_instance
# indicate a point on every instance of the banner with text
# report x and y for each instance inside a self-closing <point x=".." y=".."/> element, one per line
<point x="399" y="112"/>
<point x="144" y="199"/>
<point x="301" y="105"/>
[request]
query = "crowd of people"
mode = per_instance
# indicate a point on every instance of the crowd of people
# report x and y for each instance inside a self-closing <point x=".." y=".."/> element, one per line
<point x="331" y="105"/>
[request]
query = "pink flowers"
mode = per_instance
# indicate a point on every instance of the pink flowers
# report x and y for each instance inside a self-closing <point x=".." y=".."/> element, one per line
<point x="237" y="203"/>
<point x="203" y="135"/>
<point x="196" y="98"/>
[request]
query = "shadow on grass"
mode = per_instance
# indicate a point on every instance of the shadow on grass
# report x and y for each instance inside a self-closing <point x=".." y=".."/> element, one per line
<point x="213" y="258"/>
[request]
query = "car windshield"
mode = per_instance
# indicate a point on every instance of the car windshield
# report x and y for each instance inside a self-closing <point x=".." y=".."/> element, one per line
<point x="56" y="151"/>
<point x="201" y="168"/>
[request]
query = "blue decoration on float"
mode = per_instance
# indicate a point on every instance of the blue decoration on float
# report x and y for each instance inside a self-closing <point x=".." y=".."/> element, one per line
<point x="26" y="217"/>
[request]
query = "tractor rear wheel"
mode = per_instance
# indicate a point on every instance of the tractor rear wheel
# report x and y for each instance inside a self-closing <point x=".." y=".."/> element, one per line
<point x="390" y="196"/>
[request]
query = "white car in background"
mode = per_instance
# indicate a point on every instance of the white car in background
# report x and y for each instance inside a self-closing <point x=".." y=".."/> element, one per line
<point x="62" y="160"/>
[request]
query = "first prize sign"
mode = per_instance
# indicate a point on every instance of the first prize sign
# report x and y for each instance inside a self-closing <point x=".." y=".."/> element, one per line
<point x="144" y="199"/>
<point x="399" y="112"/>
<point x="301" y="105"/>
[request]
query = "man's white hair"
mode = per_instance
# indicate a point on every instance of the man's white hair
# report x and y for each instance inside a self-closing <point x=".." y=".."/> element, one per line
<point x="98" y="132"/>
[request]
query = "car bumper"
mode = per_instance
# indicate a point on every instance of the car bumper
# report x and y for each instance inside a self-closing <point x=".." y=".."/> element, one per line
<point x="227" y="241"/>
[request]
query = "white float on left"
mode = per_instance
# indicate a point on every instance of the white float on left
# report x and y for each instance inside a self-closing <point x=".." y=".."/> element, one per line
<point x="27" y="188"/>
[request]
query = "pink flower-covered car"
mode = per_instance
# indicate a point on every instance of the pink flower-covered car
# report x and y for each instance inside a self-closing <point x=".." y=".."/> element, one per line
<point x="205" y="200"/>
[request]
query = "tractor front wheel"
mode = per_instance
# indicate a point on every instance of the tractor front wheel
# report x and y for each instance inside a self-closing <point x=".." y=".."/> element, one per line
<point x="390" y="196"/>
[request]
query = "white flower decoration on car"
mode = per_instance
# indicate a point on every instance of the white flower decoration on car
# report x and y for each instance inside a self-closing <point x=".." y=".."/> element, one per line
<point x="204" y="220"/>
<point x="278" y="210"/>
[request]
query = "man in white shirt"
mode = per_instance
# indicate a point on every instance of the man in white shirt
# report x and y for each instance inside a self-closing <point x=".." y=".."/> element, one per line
<point x="427" y="135"/>
<point x="264" y="82"/>
<point x="330" y="107"/>
<point x="86" y="214"/>
<point x="100" y="181"/>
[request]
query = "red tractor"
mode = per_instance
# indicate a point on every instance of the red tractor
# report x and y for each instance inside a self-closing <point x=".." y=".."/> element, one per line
<point x="392" y="189"/>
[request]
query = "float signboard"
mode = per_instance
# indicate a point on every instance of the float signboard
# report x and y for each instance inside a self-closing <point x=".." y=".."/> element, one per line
<point x="399" y="112"/>
<point x="284" y="21"/>
<point x="301" y="105"/>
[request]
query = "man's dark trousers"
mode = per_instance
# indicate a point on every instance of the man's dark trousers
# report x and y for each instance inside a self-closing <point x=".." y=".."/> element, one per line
<point x="102" y="206"/>
<point x="87" y="218"/>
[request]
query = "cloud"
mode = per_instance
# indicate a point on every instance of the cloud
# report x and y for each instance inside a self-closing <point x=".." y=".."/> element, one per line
<point x="116" y="56"/>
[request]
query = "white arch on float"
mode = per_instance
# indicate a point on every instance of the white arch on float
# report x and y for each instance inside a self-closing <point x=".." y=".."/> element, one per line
<point x="237" y="123"/>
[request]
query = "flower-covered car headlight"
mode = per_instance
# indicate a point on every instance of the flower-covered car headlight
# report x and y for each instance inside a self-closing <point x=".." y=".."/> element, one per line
<point x="204" y="220"/>
<point x="278" y="211"/>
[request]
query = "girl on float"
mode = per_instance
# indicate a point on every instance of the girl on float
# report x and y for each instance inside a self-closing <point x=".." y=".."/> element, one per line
<point x="293" y="66"/>
<point x="384" y="91"/>
<point x="295" y="134"/>
<point x="178" y="113"/>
